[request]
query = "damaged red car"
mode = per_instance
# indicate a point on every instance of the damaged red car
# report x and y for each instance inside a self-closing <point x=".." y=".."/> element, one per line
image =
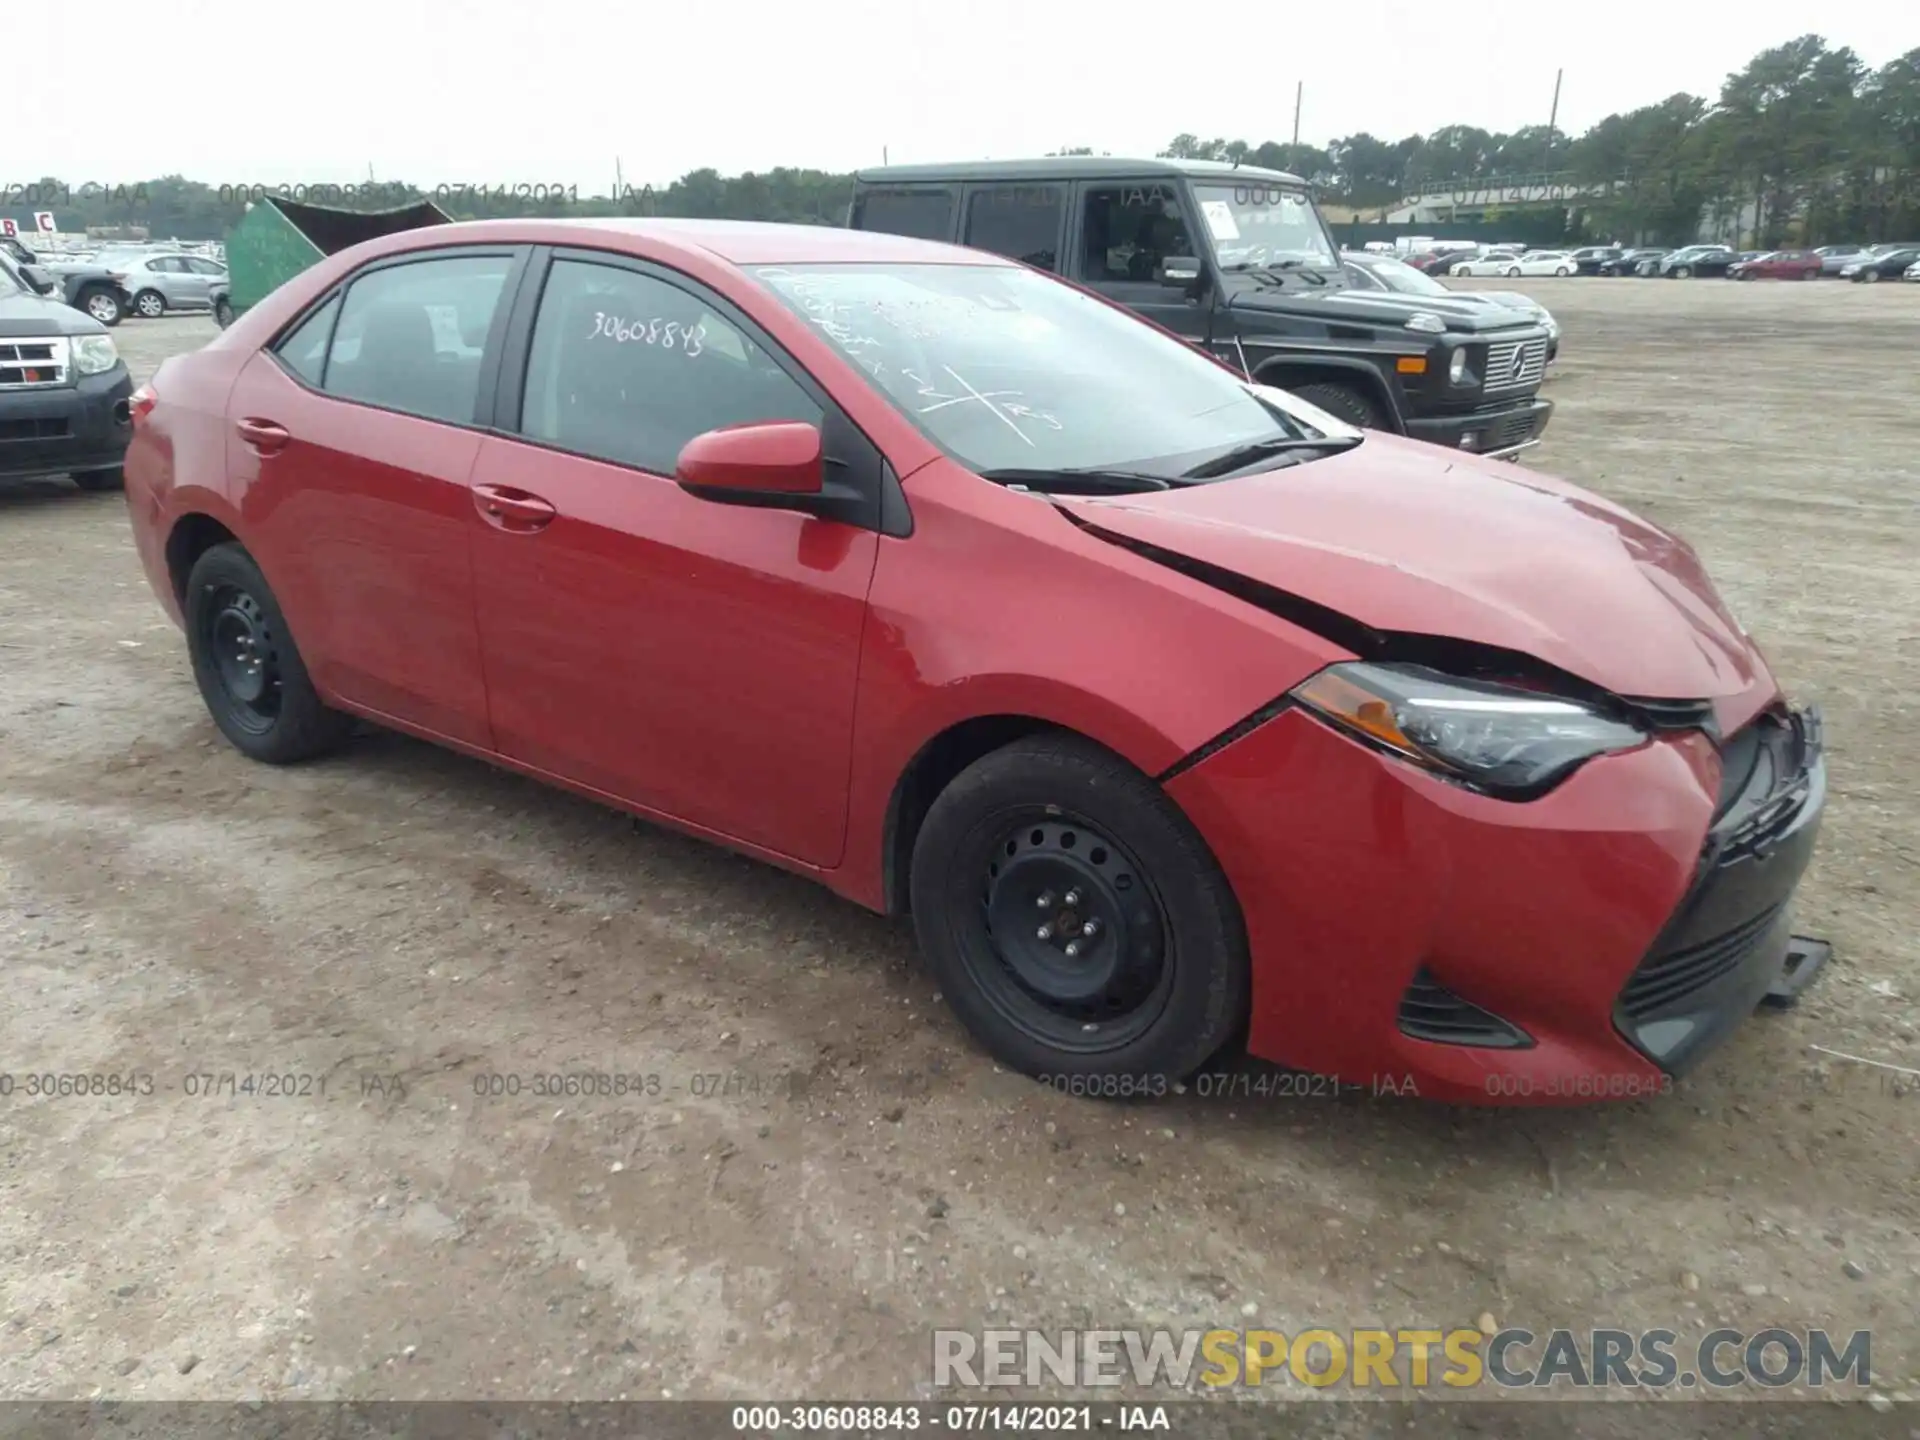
<point x="1178" y="713"/>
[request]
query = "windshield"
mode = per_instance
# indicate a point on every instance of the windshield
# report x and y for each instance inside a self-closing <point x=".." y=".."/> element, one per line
<point x="1006" y="369"/>
<point x="1401" y="277"/>
<point x="1261" y="224"/>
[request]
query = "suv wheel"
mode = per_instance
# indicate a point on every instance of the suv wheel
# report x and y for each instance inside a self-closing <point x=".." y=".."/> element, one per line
<point x="249" y="670"/>
<point x="150" y="303"/>
<point x="1342" y="400"/>
<point x="113" y="479"/>
<point x="1077" y="922"/>
<point x="103" y="305"/>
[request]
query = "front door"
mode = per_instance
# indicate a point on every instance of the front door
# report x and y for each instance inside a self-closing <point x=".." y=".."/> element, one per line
<point x="1125" y="233"/>
<point x="681" y="656"/>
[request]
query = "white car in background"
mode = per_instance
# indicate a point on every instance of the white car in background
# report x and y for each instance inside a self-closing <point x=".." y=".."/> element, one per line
<point x="1540" y="262"/>
<point x="1912" y="272"/>
<point x="1494" y="262"/>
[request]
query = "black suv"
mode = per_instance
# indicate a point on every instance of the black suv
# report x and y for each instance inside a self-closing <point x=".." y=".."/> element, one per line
<point x="63" y="390"/>
<point x="1238" y="261"/>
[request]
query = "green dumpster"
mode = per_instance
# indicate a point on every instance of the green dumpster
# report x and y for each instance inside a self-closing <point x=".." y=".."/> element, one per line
<point x="277" y="239"/>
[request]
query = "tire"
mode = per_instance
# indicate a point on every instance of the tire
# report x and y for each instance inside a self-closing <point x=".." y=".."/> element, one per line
<point x="1563" y="272"/>
<point x="249" y="670"/>
<point x="1513" y="273"/>
<point x="1351" y="405"/>
<point x="102" y="304"/>
<point x="1871" y="277"/>
<point x="1032" y="825"/>
<point x="223" y="312"/>
<point x="1683" y="272"/>
<point x="150" y="304"/>
<point x="99" y="480"/>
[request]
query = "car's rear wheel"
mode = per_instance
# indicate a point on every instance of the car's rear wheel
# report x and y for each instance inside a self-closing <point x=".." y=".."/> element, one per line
<point x="1872" y="277"/>
<point x="1076" y="921"/>
<point x="1513" y="272"/>
<point x="103" y="305"/>
<point x="247" y="666"/>
<point x="1341" y="400"/>
<point x="112" y="479"/>
<point x="1683" y="272"/>
<point x="150" y="303"/>
<point x="223" y="312"/>
<point x="1563" y="271"/>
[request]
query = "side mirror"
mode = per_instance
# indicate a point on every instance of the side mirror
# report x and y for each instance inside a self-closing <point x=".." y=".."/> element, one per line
<point x="1179" y="271"/>
<point x="39" y="278"/>
<point x="772" y="463"/>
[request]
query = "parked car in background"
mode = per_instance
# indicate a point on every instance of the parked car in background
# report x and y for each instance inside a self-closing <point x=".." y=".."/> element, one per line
<point x="1439" y="262"/>
<point x="1628" y="261"/>
<point x="1493" y="262"/>
<point x="171" y="281"/>
<point x="63" y="389"/>
<point x="1888" y="264"/>
<point x="1382" y="272"/>
<point x="1590" y="259"/>
<point x="1694" y="260"/>
<point x="1833" y="257"/>
<point x="1289" y="669"/>
<point x="1912" y="272"/>
<point x="96" y="289"/>
<point x="1778" y="265"/>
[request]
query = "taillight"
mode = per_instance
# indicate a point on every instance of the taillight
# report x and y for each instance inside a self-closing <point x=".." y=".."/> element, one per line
<point x="141" y="404"/>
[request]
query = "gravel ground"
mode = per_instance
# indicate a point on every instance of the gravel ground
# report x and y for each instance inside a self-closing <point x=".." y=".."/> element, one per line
<point x="829" y="1170"/>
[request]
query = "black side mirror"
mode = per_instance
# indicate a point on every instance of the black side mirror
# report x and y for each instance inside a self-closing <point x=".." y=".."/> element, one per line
<point x="1182" y="272"/>
<point x="38" y="278"/>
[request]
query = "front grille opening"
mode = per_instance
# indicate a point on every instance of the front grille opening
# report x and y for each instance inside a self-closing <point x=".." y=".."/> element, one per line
<point x="42" y="428"/>
<point x="1430" y="1011"/>
<point x="1664" y="979"/>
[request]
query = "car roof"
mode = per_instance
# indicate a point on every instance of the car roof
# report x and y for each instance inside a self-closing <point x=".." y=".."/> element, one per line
<point x="1072" y="167"/>
<point x="734" y="242"/>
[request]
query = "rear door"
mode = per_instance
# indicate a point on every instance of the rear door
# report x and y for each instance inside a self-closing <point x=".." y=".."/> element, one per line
<point x="352" y="443"/>
<point x="680" y="656"/>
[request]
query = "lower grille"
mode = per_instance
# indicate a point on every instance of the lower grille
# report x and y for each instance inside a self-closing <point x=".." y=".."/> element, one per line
<point x="1511" y="430"/>
<point x="1665" y="978"/>
<point x="45" y="428"/>
<point x="1430" y="1011"/>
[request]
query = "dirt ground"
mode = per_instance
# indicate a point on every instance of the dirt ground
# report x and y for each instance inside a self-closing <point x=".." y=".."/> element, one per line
<point x="831" y="1170"/>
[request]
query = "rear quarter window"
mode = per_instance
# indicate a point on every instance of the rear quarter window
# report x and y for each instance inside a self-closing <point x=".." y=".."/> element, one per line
<point x="920" y="212"/>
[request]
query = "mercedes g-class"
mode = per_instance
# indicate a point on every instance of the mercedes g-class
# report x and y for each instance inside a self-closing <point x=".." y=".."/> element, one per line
<point x="1237" y="261"/>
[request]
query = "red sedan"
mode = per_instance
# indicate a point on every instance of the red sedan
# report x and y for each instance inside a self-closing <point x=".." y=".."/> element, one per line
<point x="1174" y="709"/>
<point x="1779" y="265"/>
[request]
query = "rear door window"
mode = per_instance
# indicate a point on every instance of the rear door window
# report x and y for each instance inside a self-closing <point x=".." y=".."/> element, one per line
<point x="920" y="212"/>
<point x="411" y="336"/>
<point x="1022" y="222"/>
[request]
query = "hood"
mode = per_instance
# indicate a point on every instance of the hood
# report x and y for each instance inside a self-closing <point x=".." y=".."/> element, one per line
<point x="1394" y="536"/>
<point x="44" y="315"/>
<point x="1365" y="307"/>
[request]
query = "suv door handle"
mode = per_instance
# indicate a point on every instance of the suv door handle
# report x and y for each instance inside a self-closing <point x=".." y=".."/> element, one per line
<point x="511" y="509"/>
<point x="263" y="435"/>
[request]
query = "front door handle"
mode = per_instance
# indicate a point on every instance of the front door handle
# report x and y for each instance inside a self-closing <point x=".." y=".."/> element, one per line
<point x="511" y="509"/>
<point x="263" y="435"/>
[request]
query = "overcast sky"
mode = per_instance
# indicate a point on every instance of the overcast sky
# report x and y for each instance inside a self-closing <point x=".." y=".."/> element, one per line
<point x="507" y="91"/>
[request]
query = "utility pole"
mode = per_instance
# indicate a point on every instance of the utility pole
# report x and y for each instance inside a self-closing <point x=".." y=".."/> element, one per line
<point x="619" y="181"/>
<point x="1299" y="93"/>
<point x="1553" y="116"/>
<point x="883" y="155"/>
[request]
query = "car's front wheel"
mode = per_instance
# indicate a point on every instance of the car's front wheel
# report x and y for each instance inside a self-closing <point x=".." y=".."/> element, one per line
<point x="150" y="303"/>
<point x="113" y="479"/>
<point x="1341" y="400"/>
<point x="1872" y="277"/>
<point x="103" y="305"/>
<point x="1513" y="272"/>
<point x="249" y="670"/>
<point x="1683" y="272"/>
<point x="1077" y="922"/>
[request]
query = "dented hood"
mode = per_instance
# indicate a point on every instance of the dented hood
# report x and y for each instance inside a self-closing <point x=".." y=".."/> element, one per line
<point x="1402" y="538"/>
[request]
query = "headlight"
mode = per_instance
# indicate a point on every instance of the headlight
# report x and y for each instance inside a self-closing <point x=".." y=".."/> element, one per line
<point x="1498" y="738"/>
<point x="1457" y="367"/>
<point x="1427" y="323"/>
<point x="93" y="354"/>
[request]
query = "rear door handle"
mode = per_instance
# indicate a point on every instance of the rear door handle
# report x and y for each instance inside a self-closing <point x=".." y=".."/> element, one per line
<point x="511" y="509"/>
<point x="263" y="435"/>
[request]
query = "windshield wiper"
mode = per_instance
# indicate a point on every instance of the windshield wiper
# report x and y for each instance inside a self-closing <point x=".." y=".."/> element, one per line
<point x="1242" y="456"/>
<point x="1080" y="482"/>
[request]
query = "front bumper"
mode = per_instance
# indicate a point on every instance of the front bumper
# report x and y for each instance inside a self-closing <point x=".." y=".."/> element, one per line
<point x="1417" y="937"/>
<point x="69" y="428"/>
<point x="1496" y="431"/>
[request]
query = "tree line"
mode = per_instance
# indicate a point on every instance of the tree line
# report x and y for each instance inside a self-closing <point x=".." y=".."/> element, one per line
<point x="1803" y="144"/>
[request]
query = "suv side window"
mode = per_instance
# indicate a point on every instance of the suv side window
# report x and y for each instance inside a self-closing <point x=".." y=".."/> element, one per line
<point x="411" y="336"/>
<point x="1129" y="232"/>
<point x="628" y="368"/>
<point x="1021" y="221"/>
<point x="918" y="212"/>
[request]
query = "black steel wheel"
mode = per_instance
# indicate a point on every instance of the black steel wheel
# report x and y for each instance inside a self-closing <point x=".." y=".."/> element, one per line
<point x="1075" y="920"/>
<point x="249" y="670"/>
